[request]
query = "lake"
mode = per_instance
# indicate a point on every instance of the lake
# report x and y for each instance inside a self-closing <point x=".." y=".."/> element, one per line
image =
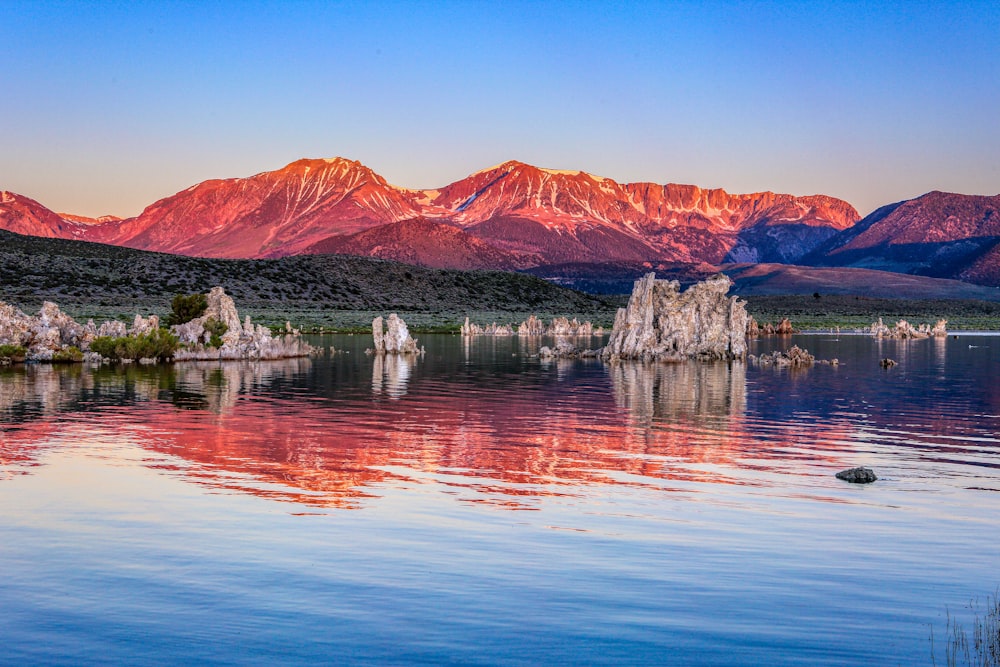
<point x="479" y="506"/>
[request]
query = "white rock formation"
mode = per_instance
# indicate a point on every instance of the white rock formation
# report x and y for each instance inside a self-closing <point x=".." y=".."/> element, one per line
<point x="660" y="322"/>
<point x="905" y="330"/>
<point x="395" y="339"/>
<point x="52" y="331"/>
<point x="533" y="326"/>
<point x="240" y="341"/>
<point x="493" y="329"/>
<point x="45" y="334"/>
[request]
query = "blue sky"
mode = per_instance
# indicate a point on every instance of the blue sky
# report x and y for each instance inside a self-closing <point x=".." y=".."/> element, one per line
<point x="106" y="107"/>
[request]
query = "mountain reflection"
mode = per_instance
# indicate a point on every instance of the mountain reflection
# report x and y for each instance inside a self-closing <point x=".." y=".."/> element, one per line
<point x="314" y="432"/>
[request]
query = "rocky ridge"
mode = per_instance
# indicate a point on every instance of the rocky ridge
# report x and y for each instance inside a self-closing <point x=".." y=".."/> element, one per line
<point x="513" y="215"/>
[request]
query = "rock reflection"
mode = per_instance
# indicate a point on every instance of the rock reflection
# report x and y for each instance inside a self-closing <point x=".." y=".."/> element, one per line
<point x="216" y="386"/>
<point x="657" y="392"/>
<point x="390" y="373"/>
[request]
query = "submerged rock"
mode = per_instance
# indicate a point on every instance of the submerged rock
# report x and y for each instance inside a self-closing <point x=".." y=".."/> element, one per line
<point x="565" y="350"/>
<point x="857" y="475"/>
<point x="887" y="363"/>
<point x="795" y="357"/>
<point x="660" y="322"/>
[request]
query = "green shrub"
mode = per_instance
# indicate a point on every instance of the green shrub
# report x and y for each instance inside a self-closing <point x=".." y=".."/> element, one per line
<point x="184" y="308"/>
<point x="12" y="353"/>
<point x="70" y="355"/>
<point x="216" y="330"/>
<point x="159" y="344"/>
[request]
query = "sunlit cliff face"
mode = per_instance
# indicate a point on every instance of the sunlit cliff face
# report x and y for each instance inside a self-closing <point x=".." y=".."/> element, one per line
<point x="511" y="215"/>
<point x="660" y="424"/>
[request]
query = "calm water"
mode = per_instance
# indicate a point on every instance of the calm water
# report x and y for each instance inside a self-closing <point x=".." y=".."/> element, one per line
<point x="477" y="506"/>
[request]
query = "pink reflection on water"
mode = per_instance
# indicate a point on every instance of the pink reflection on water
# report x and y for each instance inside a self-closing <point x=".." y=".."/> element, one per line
<point x="665" y="427"/>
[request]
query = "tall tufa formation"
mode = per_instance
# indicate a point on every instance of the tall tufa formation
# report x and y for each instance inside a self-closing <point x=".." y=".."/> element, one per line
<point x="663" y="323"/>
<point x="395" y="339"/>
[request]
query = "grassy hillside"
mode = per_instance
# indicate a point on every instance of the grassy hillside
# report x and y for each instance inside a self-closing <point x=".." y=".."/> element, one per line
<point x="331" y="291"/>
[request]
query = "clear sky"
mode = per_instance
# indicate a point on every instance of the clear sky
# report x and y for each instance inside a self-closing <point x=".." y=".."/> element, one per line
<point x="106" y="107"/>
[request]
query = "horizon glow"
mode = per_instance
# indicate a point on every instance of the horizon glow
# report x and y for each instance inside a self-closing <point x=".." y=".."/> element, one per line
<point x="108" y="107"/>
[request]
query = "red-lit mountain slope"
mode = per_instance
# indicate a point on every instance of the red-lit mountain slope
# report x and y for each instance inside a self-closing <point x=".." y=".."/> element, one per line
<point x="939" y="234"/>
<point x="23" y="215"/>
<point x="425" y="243"/>
<point x="525" y="213"/>
<point x="274" y="213"/>
<point x="572" y="216"/>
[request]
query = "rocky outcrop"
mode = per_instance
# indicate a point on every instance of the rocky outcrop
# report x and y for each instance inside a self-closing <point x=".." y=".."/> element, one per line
<point x="395" y="339"/>
<point x="796" y="357"/>
<point x="560" y="326"/>
<point x="45" y="335"/>
<point x="857" y="475"/>
<point x="564" y="349"/>
<point x="660" y="322"/>
<point x="492" y="329"/>
<point x="51" y="334"/>
<point x="531" y="327"/>
<point x="239" y="341"/>
<point x="755" y="330"/>
<point x="904" y="330"/>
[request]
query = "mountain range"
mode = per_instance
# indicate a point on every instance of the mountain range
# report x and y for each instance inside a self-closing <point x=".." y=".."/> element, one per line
<point x="518" y="217"/>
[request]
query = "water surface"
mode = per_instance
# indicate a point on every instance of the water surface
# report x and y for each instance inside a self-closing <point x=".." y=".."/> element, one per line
<point x="480" y="506"/>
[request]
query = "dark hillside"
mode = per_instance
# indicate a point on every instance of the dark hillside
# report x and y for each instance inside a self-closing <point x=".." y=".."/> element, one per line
<point x="102" y="279"/>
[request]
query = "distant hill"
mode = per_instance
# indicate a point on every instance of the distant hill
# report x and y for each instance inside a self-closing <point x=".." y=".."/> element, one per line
<point x="115" y="279"/>
<point x="767" y="279"/>
<point x="939" y="234"/>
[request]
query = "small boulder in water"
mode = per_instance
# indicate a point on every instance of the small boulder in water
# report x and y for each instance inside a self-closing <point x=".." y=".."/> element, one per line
<point x="857" y="475"/>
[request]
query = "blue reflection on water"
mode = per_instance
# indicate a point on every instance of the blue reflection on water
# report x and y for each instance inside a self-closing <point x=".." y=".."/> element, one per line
<point x="482" y="507"/>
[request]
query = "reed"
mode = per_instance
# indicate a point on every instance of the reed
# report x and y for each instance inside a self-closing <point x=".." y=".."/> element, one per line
<point x="981" y="647"/>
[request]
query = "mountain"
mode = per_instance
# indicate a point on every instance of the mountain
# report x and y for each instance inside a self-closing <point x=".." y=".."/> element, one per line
<point x="96" y="280"/>
<point x="778" y="279"/>
<point x="572" y="216"/>
<point x="273" y="213"/>
<point x="425" y="243"/>
<point x="518" y="214"/>
<point x="569" y="226"/>
<point x="84" y="220"/>
<point x="23" y="215"/>
<point x="939" y="234"/>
